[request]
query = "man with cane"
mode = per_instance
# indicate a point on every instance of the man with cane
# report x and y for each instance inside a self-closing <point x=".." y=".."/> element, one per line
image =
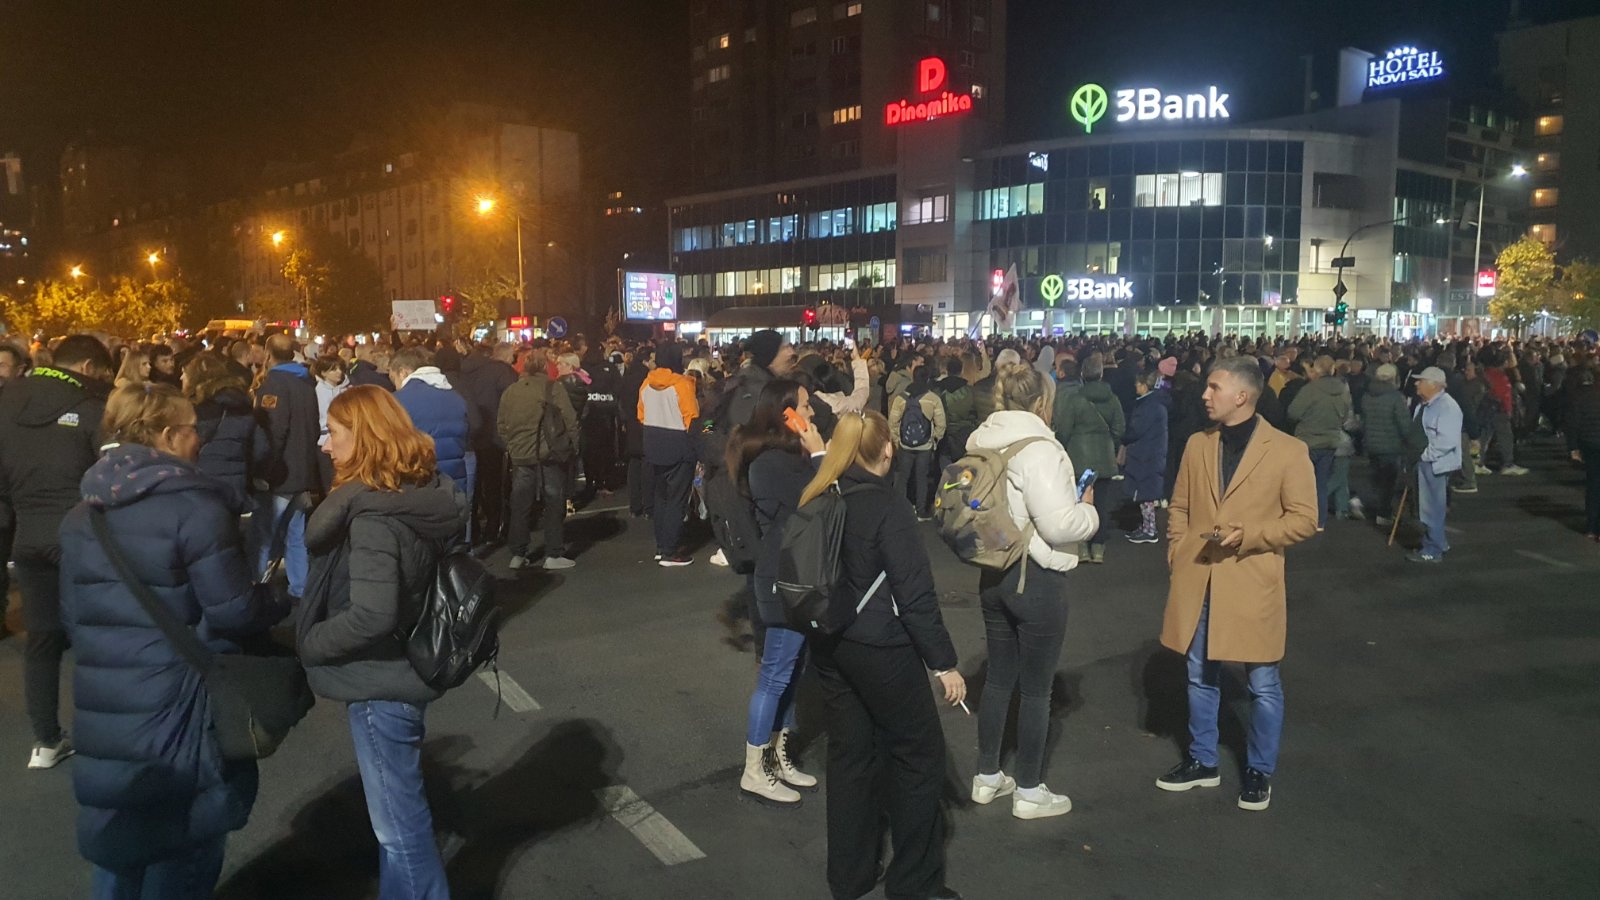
<point x="1441" y="423"/>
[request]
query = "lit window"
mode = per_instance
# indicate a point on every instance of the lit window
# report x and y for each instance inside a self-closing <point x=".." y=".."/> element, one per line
<point x="929" y="209"/>
<point x="1545" y="197"/>
<point x="977" y="92"/>
<point x="1545" y="233"/>
<point x="1545" y="126"/>
<point x="723" y="41"/>
<point x="802" y="17"/>
<point x="847" y="114"/>
<point x="1548" y="162"/>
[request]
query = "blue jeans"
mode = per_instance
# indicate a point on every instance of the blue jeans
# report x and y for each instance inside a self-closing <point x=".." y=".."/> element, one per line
<point x="192" y="876"/>
<point x="270" y="510"/>
<point x="388" y="740"/>
<point x="1432" y="503"/>
<point x="772" y="704"/>
<point x="1322" y="464"/>
<point x="1205" y="698"/>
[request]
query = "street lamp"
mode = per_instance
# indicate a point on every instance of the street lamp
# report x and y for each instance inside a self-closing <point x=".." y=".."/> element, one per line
<point x="486" y="207"/>
<point x="76" y="272"/>
<point x="278" y="238"/>
<point x="1518" y="170"/>
<point x="153" y="258"/>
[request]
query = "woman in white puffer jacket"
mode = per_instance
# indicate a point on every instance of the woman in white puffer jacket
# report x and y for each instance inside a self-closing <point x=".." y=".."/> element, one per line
<point x="1025" y="629"/>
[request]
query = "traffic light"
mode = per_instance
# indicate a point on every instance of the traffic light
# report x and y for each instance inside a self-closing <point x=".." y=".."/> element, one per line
<point x="1341" y="311"/>
<point x="447" y="305"/>
<point x="809" y="317"/>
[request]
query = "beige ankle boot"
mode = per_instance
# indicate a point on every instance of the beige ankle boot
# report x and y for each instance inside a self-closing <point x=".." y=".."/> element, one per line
<point x="760" y="779"/>
<point x="791" y="776"/>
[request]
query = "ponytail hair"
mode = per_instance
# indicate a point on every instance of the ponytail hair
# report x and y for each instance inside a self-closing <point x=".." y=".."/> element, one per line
<point x="858" y="439"/>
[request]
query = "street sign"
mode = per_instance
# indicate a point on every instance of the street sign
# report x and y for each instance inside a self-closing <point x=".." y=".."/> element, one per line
<point x="517" y="323"/>
<point x="556" y="327"/>
<point x="1486" y="283"/>
<point x="876" y="324"/>
<point x="1344" y="262"/>
<point x="1339" y="290"/>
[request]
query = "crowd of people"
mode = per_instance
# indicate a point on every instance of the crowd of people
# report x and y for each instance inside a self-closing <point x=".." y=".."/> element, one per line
<point x="248" y="480"/>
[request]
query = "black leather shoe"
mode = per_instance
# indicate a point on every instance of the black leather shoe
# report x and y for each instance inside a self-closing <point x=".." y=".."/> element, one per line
<point x="1189" y="774"/>
<point x="944" y="893"/>
<point x="1257" y="790"/>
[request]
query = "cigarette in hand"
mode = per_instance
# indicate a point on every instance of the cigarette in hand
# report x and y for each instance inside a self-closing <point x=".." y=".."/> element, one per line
<point x="963" y="704"/>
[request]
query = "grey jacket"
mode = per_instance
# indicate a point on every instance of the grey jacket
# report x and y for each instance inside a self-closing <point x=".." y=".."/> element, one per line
<point x="373" y="559"/>
<point x="1319" y="412"/>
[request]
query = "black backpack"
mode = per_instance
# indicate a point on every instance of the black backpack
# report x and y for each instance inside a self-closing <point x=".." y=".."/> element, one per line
<point x="553" y="437"/>
<point x="916" y="429"/>
<point x="458" y="631"/>
<point x="808" y="566"/>
<point x="733" y="521"/>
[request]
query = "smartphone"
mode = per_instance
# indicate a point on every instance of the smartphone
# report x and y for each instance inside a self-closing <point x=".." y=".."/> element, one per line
<point x="796" y="424"/>
<point x="850" y="343"/>
<point x="1085" y="481"/>
<point x="1214" y="535"/>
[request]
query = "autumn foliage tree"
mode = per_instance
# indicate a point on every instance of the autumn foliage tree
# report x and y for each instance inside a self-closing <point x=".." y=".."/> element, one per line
<point x="124" y="306"/>
<point x="1523" y="289"/>
<point x="1580" y="291"/>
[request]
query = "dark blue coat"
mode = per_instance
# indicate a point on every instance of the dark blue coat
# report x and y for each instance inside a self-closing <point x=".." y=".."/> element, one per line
<point x="149" y="778"/>
<point x="1146" y="440"/>
<point x="443" y="415"/>
<point x="233" y="445"/>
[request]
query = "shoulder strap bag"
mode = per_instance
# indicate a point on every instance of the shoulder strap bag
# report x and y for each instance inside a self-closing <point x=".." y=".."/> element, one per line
<point x="254" y="700"/>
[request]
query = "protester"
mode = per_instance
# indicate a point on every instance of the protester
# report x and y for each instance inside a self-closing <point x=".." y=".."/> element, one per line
<point x="1319" y="412"/>
<point x="1088" y="422"/>
<point x="1146" y="443"/>
<point x="1245" y="493"/>
<point x="49" y="436"/>
<point x="233" y="445"/>
<point x="156" y="798"/>
<point x="917" y="422"/>
<point x="135" y="369"/>
<point x="1581" y="418"/>
<point x="377" y="539"/>
<point x="294" y="474"/>
<point x="667" y="405"/>
<point x="484" y="377"/>
<point x="1025" y="607"/>
<point x="437" y="410"/>
<point x="1386" y="425"/>
<point x="539" y="429"/>
<point x="771" y="356"/>
<point x="1441" y="423"/>
<point x="960" y="411"/>
<point x="886" y="749"/>
<point x="1497" y="414"/>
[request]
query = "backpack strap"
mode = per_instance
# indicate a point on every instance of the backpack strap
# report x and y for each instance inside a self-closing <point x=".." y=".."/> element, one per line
<point x="876" y="583"/>
<point x="1006" y="454"/>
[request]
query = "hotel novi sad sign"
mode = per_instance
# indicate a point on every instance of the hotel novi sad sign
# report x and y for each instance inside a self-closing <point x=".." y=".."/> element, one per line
<point x="1402" y="65"/>
<point x="930" y="78"/>
<point x="1146" y="104"/>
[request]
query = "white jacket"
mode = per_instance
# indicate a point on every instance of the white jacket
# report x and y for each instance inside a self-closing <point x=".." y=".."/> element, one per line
<point x="1041" y="486"/>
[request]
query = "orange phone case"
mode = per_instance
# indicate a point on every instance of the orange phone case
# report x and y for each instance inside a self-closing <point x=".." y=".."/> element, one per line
<point x="796" y="424"/>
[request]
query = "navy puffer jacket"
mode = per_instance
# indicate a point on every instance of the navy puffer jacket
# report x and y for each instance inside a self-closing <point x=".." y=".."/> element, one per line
<point x="444" y="415"/>
<point x="149" y="778"/>
<point x="233" y="445"/>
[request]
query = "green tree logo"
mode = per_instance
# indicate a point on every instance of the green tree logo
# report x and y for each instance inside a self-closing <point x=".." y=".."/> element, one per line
<point x="1089" y="106"/>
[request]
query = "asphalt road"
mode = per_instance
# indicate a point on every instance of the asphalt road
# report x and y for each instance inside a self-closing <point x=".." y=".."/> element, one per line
<point x="1439" y="723"/>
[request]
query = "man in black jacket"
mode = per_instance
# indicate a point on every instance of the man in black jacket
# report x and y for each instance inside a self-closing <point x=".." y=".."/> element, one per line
<point x="49" y="436"/>
<point x="485" y="375"/>
<point x="288" y="403"/>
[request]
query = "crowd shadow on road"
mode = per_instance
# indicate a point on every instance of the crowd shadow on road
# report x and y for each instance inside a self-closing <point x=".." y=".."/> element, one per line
<point x="1565" y="513"/>
<point x="486" y="819"/>
<point x="1161" y="681"/>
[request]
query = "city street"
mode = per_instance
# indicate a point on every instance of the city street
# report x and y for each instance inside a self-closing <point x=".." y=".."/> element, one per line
<point x="1440" y="720"/>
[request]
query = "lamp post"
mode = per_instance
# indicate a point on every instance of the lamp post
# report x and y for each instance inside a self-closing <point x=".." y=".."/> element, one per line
<point x="1518" y="170"/>
<point x="486" y="206"/>
<point x="153" y="259"/>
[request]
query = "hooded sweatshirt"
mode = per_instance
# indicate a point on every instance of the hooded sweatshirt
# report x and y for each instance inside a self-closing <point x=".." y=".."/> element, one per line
<point x="667" y="404"/>
<point x="49" y="436"/>
<point x="1319" y="412"/>
<point x="1041" y="487"/>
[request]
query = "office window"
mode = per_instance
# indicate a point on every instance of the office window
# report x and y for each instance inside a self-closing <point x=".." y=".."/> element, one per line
<point x="1545" y="233"/>
<point x="802" y="17"/>
<point x="840" y="45"/>
<point x="878" y="217"/>
<point x="1099" y="193"/>
<point x="1178" y="189"/>
<point x="1548" y="162"/>
<point x="925" y="265"/>
<point x="1545" y="197"/>
<point x="803" y="120"/>
<point x="1545" y="126"/>
<point x="846" y="10"/>
<point x="1021" y="200"/>
<point x="719" y="73"/>
<point x="977" y="92"/>
<point x="928" y="209"/>
<point x="847" y="114"/>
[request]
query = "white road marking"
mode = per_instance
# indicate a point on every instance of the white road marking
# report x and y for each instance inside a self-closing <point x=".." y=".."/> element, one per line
<point x="659" y="836"/>
<point x="515" y="697"/>
<point x="1540" y="557"/>
<point x="1451" y="529"/>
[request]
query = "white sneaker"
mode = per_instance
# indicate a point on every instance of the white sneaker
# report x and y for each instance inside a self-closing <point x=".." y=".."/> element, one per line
<point x="517" y="562"/>
<point x="1043" y="808"/>
<point x="46" y="756"/>
<point x="1513" y="470"/>
<point x="985" y="794"/>
<point x="1356" y="507"/>
<point x="1482" y="470"/>
<point x="719" y="558"/>
<point x="558" y="562"/>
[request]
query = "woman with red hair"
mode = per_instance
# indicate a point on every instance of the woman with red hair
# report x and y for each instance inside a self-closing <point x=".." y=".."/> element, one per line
<point x="375" y="543"/>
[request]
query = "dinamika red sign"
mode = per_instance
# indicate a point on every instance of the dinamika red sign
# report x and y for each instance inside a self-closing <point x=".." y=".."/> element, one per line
<point x="930" y="78"/>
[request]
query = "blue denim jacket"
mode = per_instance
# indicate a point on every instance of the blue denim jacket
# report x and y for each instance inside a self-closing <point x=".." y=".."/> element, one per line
<point x="1441" y="420"/>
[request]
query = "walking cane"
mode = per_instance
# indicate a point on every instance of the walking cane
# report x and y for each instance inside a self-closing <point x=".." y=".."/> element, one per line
<point x="1399" y="511"/>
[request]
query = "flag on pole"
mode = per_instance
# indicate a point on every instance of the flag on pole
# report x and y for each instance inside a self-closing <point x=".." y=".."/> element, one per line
<point x="1007" y="299"/>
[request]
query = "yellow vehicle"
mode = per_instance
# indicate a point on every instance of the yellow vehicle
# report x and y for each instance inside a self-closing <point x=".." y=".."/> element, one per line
<point x="235" y="327"/>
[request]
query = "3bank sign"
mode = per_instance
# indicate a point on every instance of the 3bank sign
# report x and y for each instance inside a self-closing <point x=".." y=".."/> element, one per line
<point x="1091" y="102"/>
<point x="1085" y="289"/>
<point x="1403" y="65"/>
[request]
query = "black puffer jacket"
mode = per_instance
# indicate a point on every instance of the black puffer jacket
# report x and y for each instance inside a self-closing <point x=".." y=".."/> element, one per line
<point x="49" y="436"/>
<point x="1582" y="418"/>
<point x="373" y="559"/>
<point x="777" y="479"/>
<point x="881" y="535"/>
<point x="481" y="382"/>
<point x="288" y="403"/>
<point x="233" y="445"/>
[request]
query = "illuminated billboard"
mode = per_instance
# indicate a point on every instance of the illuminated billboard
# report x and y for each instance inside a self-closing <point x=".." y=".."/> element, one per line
<point x="649" y="296"/>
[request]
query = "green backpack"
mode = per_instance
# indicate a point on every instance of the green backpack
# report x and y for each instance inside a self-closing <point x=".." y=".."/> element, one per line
<point x="973" y="514"/>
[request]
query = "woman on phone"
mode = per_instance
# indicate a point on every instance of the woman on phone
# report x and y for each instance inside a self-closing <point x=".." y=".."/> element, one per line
<point x="771" y="459"/>
<point x="886" y="751"/>
<point x="1025" y="627"/>
<point x="375" y="542"/>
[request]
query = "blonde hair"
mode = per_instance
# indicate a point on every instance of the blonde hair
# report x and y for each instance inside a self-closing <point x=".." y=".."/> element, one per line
<point x="1022" y="387"/>
<point x="209" y="375"/>
<point x="390" y="452"/>
<point x="129" y="373"/>
<point x="858" y="440"/>
<point x="140" y="413"/>
<point x="1323" y="366"/>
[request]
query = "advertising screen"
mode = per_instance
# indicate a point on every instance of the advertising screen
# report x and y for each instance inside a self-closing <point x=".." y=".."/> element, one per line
<point x="649" y="296"/>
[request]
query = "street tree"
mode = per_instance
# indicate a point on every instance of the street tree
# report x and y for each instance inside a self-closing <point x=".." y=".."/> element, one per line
<point x="483" y="298"/>
<point x="1523" y="288"/>
<point x="140" y="309"/>
<point x="1580" y="291"/>
<point x="343" y="287"/>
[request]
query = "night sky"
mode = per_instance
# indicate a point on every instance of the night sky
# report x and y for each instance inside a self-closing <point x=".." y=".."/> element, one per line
<point x="231" y="84"/>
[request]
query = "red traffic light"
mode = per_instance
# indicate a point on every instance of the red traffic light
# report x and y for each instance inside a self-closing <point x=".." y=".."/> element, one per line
<point x="810" y="318"/>
<point x="448" y="303"/>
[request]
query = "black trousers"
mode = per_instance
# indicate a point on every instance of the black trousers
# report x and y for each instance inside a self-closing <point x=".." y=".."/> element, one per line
<point x="490" y="492"/>
<point x="1107" y="500"/>
<point x="1385" y="481"/>
<point x="600" y="435"/>
<point x="39" y="580"/>
<point x="672" y="486"/>
<point x="886" y="758"/>
<point x="641" y="486"/>
<point x="528" y="485"/>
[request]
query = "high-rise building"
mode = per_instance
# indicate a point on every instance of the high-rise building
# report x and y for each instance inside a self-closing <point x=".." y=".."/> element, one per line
<point x="783" y="90"/>
<point x="1555" y="71"/>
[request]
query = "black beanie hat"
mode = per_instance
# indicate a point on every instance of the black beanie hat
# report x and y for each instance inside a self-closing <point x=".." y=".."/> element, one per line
<point x="764" y="347"/>
<point x="669" y="356"/>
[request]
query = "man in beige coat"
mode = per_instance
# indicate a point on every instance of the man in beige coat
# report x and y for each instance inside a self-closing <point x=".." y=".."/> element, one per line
<point x="1245" y="492"/>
